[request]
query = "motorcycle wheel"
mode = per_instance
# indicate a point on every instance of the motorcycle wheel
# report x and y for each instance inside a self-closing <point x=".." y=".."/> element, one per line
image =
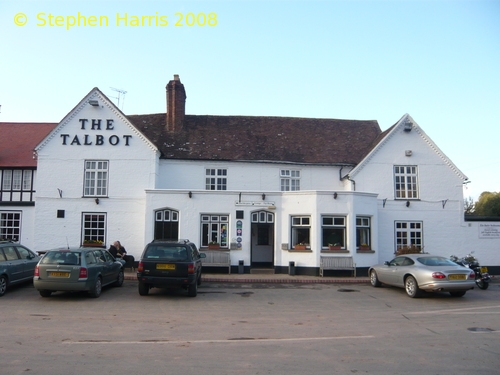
<point x="482" y="285"/>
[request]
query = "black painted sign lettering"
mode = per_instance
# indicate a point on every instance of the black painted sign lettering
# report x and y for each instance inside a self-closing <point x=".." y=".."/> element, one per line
<point x="92" y="139"/>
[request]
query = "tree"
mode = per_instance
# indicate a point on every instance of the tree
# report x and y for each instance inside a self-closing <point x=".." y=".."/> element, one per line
<point x="469" y="206"/>
<point x="488" y="204"/>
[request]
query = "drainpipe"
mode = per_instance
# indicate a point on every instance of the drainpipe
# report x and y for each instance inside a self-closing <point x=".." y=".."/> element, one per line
<point x="348" y="178"/>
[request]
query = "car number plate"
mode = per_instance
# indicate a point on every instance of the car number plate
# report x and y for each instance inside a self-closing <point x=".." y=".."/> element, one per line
<point x="484" y="269"/>
<point x="457" y="277"/>
<point x="165" y="266"/>
<point x="59" y="274"/>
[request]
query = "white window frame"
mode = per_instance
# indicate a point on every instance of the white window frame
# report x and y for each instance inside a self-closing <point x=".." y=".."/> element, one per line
<point x="96" y="178"/>
<point x="337" y="223"/>
<point x="215" y="229"/>
<point x="94" y="227"/>
<point x="216" y="179"/>
<point x="406" y="182"/>
<point x="363" y="231"/>
<point x="290" y="180"/>
<point x="301" y="230"/>
<point x="409" y="233"/>
<point x="10" y="225"/>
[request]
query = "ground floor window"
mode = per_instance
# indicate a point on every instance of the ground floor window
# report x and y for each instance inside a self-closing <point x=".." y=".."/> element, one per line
<point x="214" y="230"/>
<point x="10" y="225"/>
<point x="333" y="231"/>
<point x="409" y="233"/>
<point x="363" y="231"/>
<point x="94" y="228"/>
<point x="301" y="231"/>
<point x="167" y="225"/>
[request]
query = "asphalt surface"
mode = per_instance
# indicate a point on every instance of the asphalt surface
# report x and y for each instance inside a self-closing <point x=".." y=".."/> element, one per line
<point x="278" y="278"/>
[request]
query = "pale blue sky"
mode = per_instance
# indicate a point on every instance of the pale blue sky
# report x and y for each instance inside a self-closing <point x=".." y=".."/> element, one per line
<point x="439" y="61"/>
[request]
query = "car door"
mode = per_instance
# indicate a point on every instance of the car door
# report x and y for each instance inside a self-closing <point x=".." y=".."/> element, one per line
<point x="397" y="269"/>
<point x="29" y="261"/>
<point x="13" y="264"/>
<point x="110" y="268"/>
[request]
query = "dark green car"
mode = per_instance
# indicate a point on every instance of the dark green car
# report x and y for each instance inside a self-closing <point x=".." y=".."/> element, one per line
<point x="79" y="269"/>
<point x="170" y="264"/>
<point x="17" y="264"/>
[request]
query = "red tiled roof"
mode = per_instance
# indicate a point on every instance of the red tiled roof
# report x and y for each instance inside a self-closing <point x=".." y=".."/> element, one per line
<point x="273" y="139"/>
<point x="18" y="140"/>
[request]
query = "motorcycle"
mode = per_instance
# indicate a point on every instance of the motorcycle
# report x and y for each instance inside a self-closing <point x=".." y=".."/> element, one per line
<point x="470" y="261"/>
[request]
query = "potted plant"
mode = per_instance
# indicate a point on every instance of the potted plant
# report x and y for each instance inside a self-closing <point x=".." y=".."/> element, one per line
<point x="300" y="246"/>
<point x="334" y="246"/>
<point x="412" y="249"/>
<point x="213" y="245"/>
<point x="93" y="243"/>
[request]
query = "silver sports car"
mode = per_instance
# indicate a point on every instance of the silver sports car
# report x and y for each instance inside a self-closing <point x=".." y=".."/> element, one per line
<point x="423" y="272"/>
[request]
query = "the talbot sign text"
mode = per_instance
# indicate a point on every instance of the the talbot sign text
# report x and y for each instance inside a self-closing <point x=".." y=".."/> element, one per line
<point x="93" y="139"/>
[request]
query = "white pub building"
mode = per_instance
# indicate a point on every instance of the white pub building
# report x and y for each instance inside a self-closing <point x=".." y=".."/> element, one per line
<point x="268" y="190"/>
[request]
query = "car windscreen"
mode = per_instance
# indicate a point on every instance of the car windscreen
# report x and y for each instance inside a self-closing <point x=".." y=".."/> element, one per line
<point x="436" y="261"/>
<point x="62" y="257"/>
<point x="170" y="253"/>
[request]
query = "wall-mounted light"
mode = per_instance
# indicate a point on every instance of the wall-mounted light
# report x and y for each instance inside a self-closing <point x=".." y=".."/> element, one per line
<point x="407" y="203"/>
<point x="408" y="152"/>
<point x="190" y="194"/>
<point x="335" y="195"/>
<point x="97" y="201"/>
<point x="408" y="126"/>
<point x="263" y="196"/>
<point x="94" y="103"/>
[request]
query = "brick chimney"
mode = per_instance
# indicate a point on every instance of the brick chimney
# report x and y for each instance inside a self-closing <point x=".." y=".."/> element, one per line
<point x="176" y="104"/>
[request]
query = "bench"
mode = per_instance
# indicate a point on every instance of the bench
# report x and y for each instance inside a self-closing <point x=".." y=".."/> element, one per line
<point x="216" y="258"/>
<point x="336" y="263"/>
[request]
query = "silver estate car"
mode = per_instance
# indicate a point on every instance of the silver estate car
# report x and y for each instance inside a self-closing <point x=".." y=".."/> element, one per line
<point x="17" y="264"/>
<point x="423" y="272"/>
<point x="79" y="269"/>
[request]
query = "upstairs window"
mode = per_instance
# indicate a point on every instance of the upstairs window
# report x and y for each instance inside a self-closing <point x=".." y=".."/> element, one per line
<point x="96" y="178"/>
<point x="216" y="179"/>
<point x="290" y="180"/>
<point x="406" y="182"/>
<point x="16" y="185"/>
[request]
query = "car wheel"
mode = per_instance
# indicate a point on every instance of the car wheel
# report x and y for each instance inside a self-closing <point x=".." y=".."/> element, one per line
<point x="193" y="289"/>
<point x="412" y="288"/>
<point x="95" y="292"/>
<point x="120" y="278"/>
<point x="143" y="289"/>
<point x="3" y="285"/>
<point x="460" y="293"/>
<point x="45" y="293"/>
<point x="374" y="279"/>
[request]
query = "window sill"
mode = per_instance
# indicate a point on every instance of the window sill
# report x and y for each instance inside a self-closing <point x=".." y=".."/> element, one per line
<point x="335" y="251"/>
<point x="300" y="251"/>
<point x="365" y="251"/>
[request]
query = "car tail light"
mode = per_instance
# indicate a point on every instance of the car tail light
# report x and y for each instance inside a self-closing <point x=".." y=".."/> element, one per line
<point x="472" y="275"/>
<point x="438" y="275"/>
<point x="83" y="273"/>
<point x="140" y="267"/>
<point x="190" y="268"/>
<point x="37" y="271"/>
